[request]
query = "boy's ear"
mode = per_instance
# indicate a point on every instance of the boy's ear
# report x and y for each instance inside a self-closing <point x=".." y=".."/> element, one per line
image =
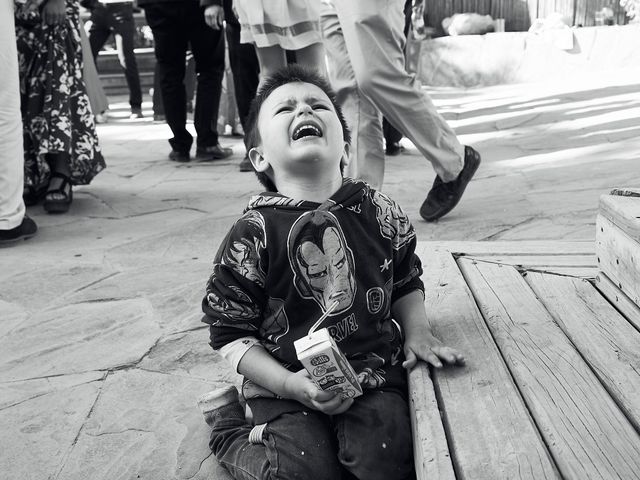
<point x="346" y="156"/>
<point x="257" y="160"/>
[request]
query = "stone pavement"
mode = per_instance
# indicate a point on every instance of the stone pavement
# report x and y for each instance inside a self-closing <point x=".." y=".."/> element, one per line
<point x="102" y="353"/>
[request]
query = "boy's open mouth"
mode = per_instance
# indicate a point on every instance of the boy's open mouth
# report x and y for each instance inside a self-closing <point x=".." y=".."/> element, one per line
<point x="306" y="130"/>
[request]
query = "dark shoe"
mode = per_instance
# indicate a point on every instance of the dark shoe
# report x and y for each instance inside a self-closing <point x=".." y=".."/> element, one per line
<point x="136" y="113"/>
<point x="214" y="152"/>
<point x="245" y="165"/>
<point x="26" y="229"/>
<point x="181" y="157"/>
<point x="33" y="196"/>
<point x="53" y="204"/>
<point x="393" y="148"/>
<point x="158" y="118"/>
<point x="443" y="197"/>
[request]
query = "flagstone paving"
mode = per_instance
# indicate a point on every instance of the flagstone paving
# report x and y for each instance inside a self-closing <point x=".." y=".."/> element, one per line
<point x="102" y="352"/>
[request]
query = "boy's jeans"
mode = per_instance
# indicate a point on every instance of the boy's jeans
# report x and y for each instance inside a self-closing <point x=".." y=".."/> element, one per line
<point x="372" y="440"/>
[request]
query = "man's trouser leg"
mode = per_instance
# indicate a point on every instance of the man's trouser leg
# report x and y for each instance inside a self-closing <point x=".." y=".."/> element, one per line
<point x="207" y="46"/>
<point x="11" y="155"/>
<point x="124" y="30"/>
<point x="373" y="33"/>
<point x="167" y="22"/>
<point x="367" y="155"/>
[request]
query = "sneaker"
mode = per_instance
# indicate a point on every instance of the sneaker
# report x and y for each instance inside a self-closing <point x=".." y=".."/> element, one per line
<point x="25" y="230"/>
<point x="214" y="152"/>
<point x="245" y="165"/>
<point x="211" y="403"/>
<point x="443" y="197"/>
<point x="136" y="113"/>
<point x="178" y="156"/>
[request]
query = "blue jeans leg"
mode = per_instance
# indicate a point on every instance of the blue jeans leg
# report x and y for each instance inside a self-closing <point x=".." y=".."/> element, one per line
<point x="297" y="446"/>
<point x="374" y="437"/>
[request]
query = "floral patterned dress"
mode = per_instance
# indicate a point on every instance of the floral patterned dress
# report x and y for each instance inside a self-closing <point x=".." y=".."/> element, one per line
<point x="56" y="114"/>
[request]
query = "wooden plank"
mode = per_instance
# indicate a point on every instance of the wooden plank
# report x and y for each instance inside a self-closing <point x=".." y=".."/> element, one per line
<point x="490" y="432"/>
<point x="604" y="338"/>
<point x="536" y="247"/>
<point x="578" y="260"/>
<point x="618" y="257"/>
<point x="618" y="299"/>
<point x="587" y="434"/>
<point x="623" y="211"/>
<point x="430" y="449"/>
<point x="587" y="273"/>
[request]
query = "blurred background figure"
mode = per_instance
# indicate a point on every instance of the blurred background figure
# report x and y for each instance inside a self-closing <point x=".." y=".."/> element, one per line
<point x="116" y="16"/>
<point x="275" y="26"/>
<point x="14" y="223"/>
<point x="177" y="26"/>
<point x="60" y="141"/>
<point x="245" y="66"/>
<point x="97" y="98"/>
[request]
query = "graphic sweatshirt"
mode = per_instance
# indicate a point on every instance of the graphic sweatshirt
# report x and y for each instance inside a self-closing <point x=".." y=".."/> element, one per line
<point x="285" y="262"/>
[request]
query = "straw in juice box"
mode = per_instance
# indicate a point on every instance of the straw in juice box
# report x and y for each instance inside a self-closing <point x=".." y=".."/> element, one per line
<point x="326" y="364"/>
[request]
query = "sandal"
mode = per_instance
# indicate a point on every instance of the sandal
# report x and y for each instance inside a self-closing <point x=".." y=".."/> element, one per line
<point x="33" y="196"/>
<point x="59" y="205"/>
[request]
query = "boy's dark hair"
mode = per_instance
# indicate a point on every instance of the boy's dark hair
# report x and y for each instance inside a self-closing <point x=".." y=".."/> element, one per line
<point x="290" y="74"/>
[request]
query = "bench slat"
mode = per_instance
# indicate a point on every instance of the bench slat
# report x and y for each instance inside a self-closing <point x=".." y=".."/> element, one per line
<point x="490" y="431"/>
<point x="587" y="434"/>
<point x="606" y="340"/>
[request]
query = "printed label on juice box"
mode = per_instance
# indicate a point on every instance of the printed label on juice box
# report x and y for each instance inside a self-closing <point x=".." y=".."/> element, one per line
<point x="326" y="364"/>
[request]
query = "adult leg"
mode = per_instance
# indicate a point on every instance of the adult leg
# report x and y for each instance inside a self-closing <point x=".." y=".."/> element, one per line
<point x="12" y="210"/>
<point x="245" y="68"/>
<point x="380" y="73"/>
<point x="99" y="30"/>
<point x="271" y="59"/>
<point x="367" y="156"/>
<point x="167" y="22"/>
<point x="374" y="437"/>
<point x="246" y="76"/>
<point x="207" y="46"/>
<point x="312" y="56"/>
<point x="124" y="29"/>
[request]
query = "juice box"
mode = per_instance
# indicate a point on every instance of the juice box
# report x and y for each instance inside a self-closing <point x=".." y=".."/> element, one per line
<point x="326" y="364"/>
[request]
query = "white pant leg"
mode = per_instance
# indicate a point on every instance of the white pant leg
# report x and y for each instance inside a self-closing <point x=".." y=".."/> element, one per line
<point x="373" y="32"/>
<point x="362" y="116"/>
<point x="11" y="150"/>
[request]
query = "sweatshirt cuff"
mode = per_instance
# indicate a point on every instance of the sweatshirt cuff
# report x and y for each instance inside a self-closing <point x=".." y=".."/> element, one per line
<point x="235" y="350"/>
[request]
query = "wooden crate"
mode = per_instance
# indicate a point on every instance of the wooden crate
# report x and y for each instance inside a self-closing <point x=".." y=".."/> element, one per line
<point x="551" y="388"/>
<point x="618" y="241"/>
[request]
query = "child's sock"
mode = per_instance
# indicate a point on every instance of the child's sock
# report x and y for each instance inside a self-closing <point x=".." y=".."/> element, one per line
<point x="219" y="404"/>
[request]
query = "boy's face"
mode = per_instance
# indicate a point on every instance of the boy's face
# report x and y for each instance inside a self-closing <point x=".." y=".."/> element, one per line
<point x="299" y="129"/>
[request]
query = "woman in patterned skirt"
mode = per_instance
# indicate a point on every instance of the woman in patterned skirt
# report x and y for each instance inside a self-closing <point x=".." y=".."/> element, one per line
<point x="275" y="26"/>
<point x="60" y="141"/>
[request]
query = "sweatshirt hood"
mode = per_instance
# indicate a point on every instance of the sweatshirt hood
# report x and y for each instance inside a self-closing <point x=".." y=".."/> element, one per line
<point x="349" y="195"/>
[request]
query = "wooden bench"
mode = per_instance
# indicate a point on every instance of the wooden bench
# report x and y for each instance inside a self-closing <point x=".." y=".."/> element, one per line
<point x="551" y="388"/>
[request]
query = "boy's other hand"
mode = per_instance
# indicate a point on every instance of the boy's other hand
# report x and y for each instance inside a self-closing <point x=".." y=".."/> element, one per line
<point x="430" y="350"/>
<point x="300" y="387"/>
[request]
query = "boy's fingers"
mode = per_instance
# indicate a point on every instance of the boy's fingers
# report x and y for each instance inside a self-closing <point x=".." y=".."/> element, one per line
<point x="343" y="407"/>
<point x="410" y="360"/>
<point x="433" y="359"/>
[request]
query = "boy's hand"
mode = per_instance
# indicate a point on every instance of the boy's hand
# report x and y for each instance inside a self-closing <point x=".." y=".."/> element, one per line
<point x="300" y="387"/>
<point x="431" y="350"/>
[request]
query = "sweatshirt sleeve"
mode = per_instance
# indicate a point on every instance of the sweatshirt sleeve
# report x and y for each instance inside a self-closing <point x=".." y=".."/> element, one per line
<point x="407" y="267"/>
<point x="235" y="294"/>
